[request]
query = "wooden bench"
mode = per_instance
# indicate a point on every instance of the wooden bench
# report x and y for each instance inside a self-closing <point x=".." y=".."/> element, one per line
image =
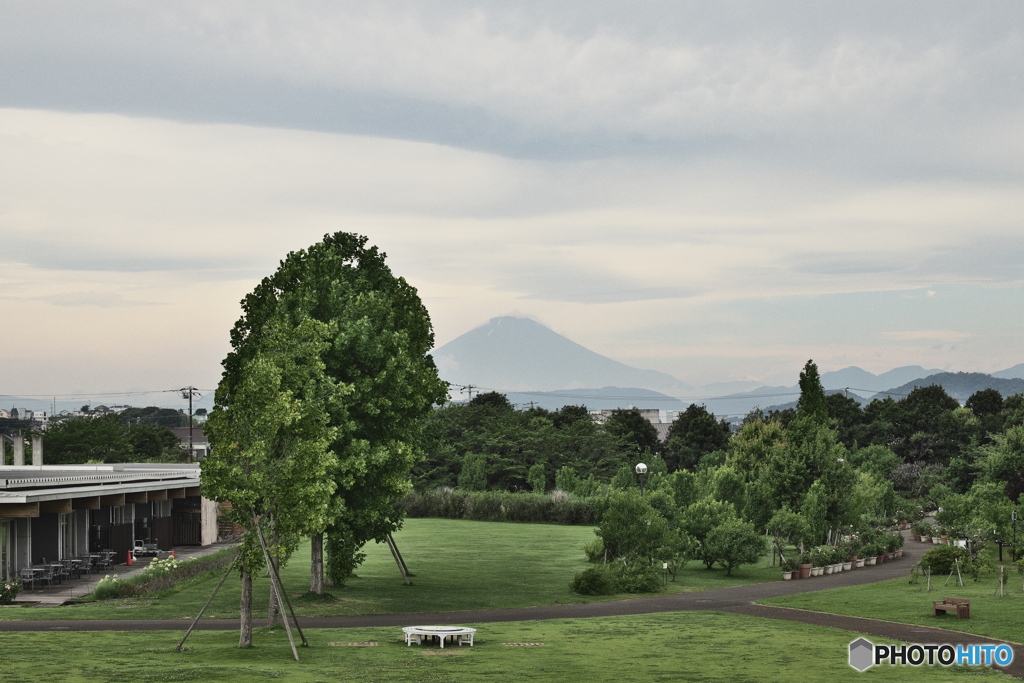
<point x="961" y="606"/>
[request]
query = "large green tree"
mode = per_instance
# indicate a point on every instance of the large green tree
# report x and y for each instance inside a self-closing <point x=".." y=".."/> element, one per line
<point x="377" y="335"/>
<point x="635" y="431"/>
<point x="272" y="456"/>
<point x="693" y="434"/>
<point x="812" y="404"/>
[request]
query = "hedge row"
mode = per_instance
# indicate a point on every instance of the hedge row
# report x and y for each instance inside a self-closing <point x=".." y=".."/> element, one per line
<point x="502" y="506"/>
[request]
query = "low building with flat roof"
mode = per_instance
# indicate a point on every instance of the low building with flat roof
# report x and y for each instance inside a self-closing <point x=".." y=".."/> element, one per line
<point x="57" y="512"/>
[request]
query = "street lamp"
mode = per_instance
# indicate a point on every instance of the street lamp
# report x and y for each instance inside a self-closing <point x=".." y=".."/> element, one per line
<point x="641" y="472"/>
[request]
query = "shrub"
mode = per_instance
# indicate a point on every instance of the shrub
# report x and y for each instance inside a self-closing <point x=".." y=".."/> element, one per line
<point x="594" y="550"/>
<point x="108" y="587"/>
<point x="593" y="581"/>
<point x="166" y="575"/>
<point x="8" y="591"/>
<point x="640" y="577"/>
<point x="500" y="506"/>
<point x="941" y="558"/>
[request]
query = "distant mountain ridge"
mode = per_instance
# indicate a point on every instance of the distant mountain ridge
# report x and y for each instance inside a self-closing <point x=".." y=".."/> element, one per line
<point x="959" y="385"/>
<point x="517" y="354"/>
<point x="523" y="358"/>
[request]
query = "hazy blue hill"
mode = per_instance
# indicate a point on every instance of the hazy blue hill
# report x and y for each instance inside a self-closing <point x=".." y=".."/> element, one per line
<point x="517" y="354"/>
<point x="959" y="385"/>
<point x="606" y="398"/>
<point x="866" y="384"/>
<point x="738" y="405"/>
<point x="1016" y="372"/>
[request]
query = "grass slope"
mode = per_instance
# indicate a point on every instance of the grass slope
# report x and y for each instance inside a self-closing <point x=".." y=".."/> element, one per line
<point x="897" y="600"/>
<point x="457" y="565"/>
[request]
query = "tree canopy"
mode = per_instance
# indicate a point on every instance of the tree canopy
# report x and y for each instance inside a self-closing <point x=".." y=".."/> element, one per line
<point x="341" y="346"/>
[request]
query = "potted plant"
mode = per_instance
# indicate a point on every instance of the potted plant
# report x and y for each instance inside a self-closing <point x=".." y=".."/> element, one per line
<point x="899" y="544"/>
<point x="790" y="567"/>
<point x="804" y="560"/>
<point x="921" y="529"/>
<point x="870" y="552"/>
<point x="820" y="559"/>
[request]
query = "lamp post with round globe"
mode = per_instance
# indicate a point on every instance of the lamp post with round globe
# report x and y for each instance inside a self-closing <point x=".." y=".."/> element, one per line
<point x="641" y="472"/>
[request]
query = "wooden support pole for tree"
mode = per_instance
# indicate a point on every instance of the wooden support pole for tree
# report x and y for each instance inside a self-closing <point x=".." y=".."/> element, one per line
<point x="281" y="594"/>
<point x="1001" y="586"/>
<point x="199" y="616"/>
<point x="277" y="586"/>
<point x="399" y="553"/>
<point x="394" y="554"/>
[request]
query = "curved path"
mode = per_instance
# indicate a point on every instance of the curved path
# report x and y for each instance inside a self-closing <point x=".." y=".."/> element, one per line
<point x="735" y="599"/>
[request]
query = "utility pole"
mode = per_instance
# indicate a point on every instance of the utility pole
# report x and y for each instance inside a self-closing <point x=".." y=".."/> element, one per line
<point x="189" y="392"/>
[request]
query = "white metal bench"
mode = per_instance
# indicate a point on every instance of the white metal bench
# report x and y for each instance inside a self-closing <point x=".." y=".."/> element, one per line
<point x="460" y="634"/>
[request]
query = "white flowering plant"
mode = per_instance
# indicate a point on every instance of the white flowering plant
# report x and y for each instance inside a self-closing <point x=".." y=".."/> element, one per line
<point x="8" y="591"/>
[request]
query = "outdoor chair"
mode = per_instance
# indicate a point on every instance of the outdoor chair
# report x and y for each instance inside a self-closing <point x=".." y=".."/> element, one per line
<point x="66" y="568"/>
<point x="46" y="575"/>
<point x="27" y="577"/>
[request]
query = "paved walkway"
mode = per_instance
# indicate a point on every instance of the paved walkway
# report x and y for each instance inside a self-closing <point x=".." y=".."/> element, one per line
<point x="737" y="599"/>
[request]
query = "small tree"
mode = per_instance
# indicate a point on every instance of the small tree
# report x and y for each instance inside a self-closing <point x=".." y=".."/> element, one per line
<point x="473" y="476"/>
<point x="700" y="519"/>
<point x="537" y="479"/>
<point x="735" y="542"/>
<point x="631" y="529"/>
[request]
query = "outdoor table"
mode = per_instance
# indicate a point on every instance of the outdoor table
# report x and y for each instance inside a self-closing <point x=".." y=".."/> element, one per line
<point x="40" y="571"/>
<point x="461" y="634"/>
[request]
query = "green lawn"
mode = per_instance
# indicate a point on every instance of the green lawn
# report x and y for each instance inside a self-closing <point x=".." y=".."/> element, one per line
<point x="898" y="600"/>
<point x="678" y="646"/>
<point x="457" y="565"/>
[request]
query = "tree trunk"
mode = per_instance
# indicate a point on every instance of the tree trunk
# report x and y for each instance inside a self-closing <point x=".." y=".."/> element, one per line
<point x="245" y="607"/>
<point x="273" y="613"/>
<point x="316" y="572"/>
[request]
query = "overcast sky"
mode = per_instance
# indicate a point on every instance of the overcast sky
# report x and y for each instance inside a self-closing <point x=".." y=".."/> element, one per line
<point x="715" y="190"/>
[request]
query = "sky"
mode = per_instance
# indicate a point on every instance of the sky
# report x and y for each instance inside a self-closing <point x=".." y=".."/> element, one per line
<point x="719" y="191"/>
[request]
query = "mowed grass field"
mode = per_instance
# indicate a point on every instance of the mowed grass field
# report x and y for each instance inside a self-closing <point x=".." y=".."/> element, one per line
<point x="1000" y="617"/>
<point x="672" y="646"/>
<point x="458" y="565"/>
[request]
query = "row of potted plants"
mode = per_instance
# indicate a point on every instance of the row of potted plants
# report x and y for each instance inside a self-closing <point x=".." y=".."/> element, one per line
<point x="853" y="552"/>
<point x="923" y="531"/>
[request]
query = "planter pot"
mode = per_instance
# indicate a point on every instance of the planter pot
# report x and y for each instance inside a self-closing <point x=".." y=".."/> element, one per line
<point x="820" y="571"/>
<point x="944" y="538"/>
<point x="847" y="566"/>
<point x="860" y="562"/>
<point x="892" y="555"/>
<point x="869" y="561"/>
<point x="787" y="576"/>
<point x="917" y="537"/>
<point x="899" y="552"/>
<point x="805" y="571"/>
<point x="829" y="569"/>
<point x="936" y="540"/>
<point x="882" y="559"/>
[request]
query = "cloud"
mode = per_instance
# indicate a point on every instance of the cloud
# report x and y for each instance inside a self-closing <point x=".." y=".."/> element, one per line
<point x="533" y="80"/>
<point x="945" y="336"/>
<point x="93" y="299"/>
